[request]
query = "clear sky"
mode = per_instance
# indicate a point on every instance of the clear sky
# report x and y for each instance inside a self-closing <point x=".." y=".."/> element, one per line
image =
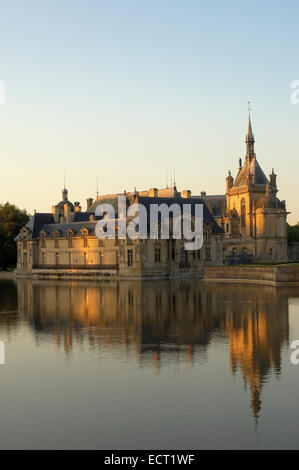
<point x="127" y="89"/>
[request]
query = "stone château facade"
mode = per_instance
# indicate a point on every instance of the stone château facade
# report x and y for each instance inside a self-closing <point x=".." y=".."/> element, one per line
<point x="246" y="224"/>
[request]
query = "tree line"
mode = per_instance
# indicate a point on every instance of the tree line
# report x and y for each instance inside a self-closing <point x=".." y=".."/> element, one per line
<point x="12" y="219"/>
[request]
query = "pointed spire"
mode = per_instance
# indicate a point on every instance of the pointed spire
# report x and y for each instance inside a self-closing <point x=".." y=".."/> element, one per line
<point x="249" y="138"/>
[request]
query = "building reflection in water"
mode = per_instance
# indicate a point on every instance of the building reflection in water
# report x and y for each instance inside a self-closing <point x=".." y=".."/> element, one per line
<point x="163" y="322"/>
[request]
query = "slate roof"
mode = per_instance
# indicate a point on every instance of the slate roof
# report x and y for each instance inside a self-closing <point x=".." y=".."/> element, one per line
<point x="36" y="223"/>
<point x="75" y="226"/>
<point x="259" y="177"/>
<point x="207" y="216"/>
<point x="46" y="222"/>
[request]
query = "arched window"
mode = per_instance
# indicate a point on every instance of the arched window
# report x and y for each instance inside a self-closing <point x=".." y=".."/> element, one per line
<point x="243" y="213"/>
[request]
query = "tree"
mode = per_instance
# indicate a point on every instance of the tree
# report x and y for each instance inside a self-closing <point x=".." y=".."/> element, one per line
<point x="293" y="233"/>
<point x="12" y="219"/>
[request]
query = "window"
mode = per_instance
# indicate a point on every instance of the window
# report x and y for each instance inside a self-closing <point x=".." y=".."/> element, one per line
<point x="243" y="213"/>
<point x="198" y="254"/>
<point x="85" y="258"/>
<point x="208" y="254"/>
<point x="42" y="240"/>
<point x="227" y="228"/>
<point x="70" y="239"/>
<point x="70" y="259"/>
<point x="101" y="257"/>
<point x="56" y="239"/>
<point x="43" y="258"/>
<point x="130" y="258"/>
<point x="25" y="258"/>
<point x="101" y="242"/>
<point x="157" y="255"/>
<point x="173" y="250"/>
<point x="85" y="238"/>
<point x="56" y="258"/>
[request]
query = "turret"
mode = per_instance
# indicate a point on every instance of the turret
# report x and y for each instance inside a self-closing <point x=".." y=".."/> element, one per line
<point x="273" y="185"/>
<point x="229" y="181"/>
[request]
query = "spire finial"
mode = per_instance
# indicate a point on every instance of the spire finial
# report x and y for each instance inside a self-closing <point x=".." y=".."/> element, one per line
<point x="249" y="108"/>
<point x="64" y="186"/>
<point x="97" y="185"/>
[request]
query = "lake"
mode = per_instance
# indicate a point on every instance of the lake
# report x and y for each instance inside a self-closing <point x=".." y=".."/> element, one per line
<point x="148" y="365"/>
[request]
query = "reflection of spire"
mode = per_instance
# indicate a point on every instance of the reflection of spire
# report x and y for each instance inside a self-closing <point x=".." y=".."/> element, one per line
<point x="256" y="402"/>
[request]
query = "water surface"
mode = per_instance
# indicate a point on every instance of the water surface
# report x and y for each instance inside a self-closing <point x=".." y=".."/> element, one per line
<point x="164" y="365"/>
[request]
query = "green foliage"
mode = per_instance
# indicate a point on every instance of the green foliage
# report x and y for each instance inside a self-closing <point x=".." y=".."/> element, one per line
<point x="12" y="220"/>
<point x="293" y="233"/>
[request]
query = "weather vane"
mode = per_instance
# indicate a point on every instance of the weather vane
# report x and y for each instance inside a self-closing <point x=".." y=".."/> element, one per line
<point x="249" y="107"/>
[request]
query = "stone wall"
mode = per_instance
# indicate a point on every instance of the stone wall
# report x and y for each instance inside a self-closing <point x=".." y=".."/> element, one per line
<point x="280" y="275"/>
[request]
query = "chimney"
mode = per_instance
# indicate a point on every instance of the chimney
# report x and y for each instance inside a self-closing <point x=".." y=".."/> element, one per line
<point x="55" y="212"/>
<point x="77" y="206"/>
<point x="186" y="193"/>
<point x="89" y="202"/>
<point x="153" y="192"/>
<point x="67" y="212"/>
<point x="203" y="193"/>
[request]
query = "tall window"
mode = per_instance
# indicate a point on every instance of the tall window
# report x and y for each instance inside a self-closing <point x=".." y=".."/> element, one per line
<point x="43" y="258"/>
<point x="243" y="213"/>
<point x="42" y="240"/>
<point x="157" y="255"/>
<point x="85" y="238"/>
<point x="85" y="258"/>
<point x="56" y="239"/>
<point x="173" y="250"/>
<point x="56" y="258"/>
<point x="130" y="258"/>
<point x="208" y="254"/>
<point x="70" y="239"/>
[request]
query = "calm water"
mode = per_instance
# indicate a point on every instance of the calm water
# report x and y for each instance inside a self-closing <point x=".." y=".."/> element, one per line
<point x="148" y="365"/>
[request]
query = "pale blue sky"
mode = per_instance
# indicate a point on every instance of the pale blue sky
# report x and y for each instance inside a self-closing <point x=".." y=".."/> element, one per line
<point x="129" y="88"/>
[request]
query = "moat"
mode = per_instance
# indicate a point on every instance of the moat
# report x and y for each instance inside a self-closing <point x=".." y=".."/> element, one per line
<point x="154" y="365"/>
